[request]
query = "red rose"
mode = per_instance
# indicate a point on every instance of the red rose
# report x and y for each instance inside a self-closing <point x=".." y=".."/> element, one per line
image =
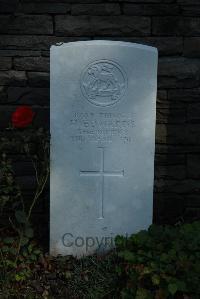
<point x="22" y="117"/>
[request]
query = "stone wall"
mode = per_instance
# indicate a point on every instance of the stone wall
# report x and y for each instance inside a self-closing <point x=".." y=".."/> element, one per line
<point x="28" y="28"/>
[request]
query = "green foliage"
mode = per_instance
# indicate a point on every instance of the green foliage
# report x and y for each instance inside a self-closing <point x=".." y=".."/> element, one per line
<point x="17" y="253"/>
<point x="161" y="263"/>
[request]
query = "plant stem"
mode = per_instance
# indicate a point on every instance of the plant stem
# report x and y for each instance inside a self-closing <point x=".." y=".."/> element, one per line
<point x="37" y="194"/>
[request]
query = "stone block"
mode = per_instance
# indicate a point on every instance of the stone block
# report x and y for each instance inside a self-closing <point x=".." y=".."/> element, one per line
<point x="193" y="133"/>
<point x="102" y="25"/>
<point x="192" y="47"/>
<point x="5" y="63"/>
<point x="44" y="8"/>
<point x="192" y="200"/>
<point x="96" y="9"/>
<point x="177" y="149"/>
<point x="147" y="1"/>
<point x="32" y="64"/>
<point x="169" y="159"/>
<point x="169" y="25"/>
<point x="170" y="172"/>
<point x="171" y="134"/>
<point x="66" y="1"/>
<point x="150" y="9"/>
<point x="193" y="113"/>
<point x="172" y="116"/>
<point x="8" y="6"/>
<point x="3" y="94"/>
<point x="162" y="94"/>
<point x="33" y="42"/>
<point x="188" y="2"/>
<point x="193" y="166"/>
<point x="184" y="95"/>
<point x="38" y="79"/>
<point x="19" y="53"/>
<point x="28" y="96"/>
<point x="13" y="78"/>
<point x="190" y="10"/>
<point x="187" y="186"/>
<point x="178" y="72"/>
<point x="26" y="24"/>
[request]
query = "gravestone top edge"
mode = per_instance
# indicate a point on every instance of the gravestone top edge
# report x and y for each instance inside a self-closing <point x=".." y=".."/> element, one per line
<point x="105" y="43"/>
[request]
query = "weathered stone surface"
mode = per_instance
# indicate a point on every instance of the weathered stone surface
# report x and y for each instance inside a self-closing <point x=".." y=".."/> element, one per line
<point x="188" y="2"/>
<point x="191" y="10"/>
<point x="169" y="159"/>
<point x="161" y="94"/>
<point x="172" y="116"/>
<point x="177" y="149"/>
<point x="185" y="26"/>
<point x="28" y="96"/>
<point x="192" y="47"/>
<point x="171" y="105"/>
<point x="191" y="214"/>
<point x="186" y="95"/>
<point x="26" y="24"/>
<point x="103" y="144"/>
<point x="96" y="9"/>
<point x="193" y="113"/>
<point x="32" y="64"/>
<point x="178" y="134"/>
<point x="15" y="78"/>
<point x="193" y="166"/>
<point x="171" y="134"/>
<point x="3" y="95"/>
<point x="8" y="6"/>
<point x="192" y="200"/>
<point x="5" y="63"/>
<point x="147" y="1"/>
<point x="66" y="1"/>
<point x="102" y="25"/>
<point x="162" y="101"/>
<point x="178" y="72"/>
<point x="19" y="53"/>
<point x="33" y="42"/>
<point x="45" y="53"/>
<point x="193" y="133"/>
<point x="151" y="9"/>
<point x="169" y="172"/>
<point x="181" y="187"/>
<point x="38" y="79"/>
<point x="44" y="8"/>
<point x="166" y="45"/>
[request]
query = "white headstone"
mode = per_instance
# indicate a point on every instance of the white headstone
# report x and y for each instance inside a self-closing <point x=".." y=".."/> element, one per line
<point x="103" y="112"/>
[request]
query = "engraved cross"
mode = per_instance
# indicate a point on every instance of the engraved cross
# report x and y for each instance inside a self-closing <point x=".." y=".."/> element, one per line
<point x="102" y="174"/>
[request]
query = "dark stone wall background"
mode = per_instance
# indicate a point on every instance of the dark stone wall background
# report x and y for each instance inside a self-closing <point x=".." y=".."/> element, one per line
<point x="28" y="28"/>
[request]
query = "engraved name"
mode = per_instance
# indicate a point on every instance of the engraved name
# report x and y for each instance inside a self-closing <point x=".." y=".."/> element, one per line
<point x="101" y="127"/>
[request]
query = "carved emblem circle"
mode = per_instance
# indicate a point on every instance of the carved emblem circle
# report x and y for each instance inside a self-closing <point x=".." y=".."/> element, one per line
<point x="103" y="82"/>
